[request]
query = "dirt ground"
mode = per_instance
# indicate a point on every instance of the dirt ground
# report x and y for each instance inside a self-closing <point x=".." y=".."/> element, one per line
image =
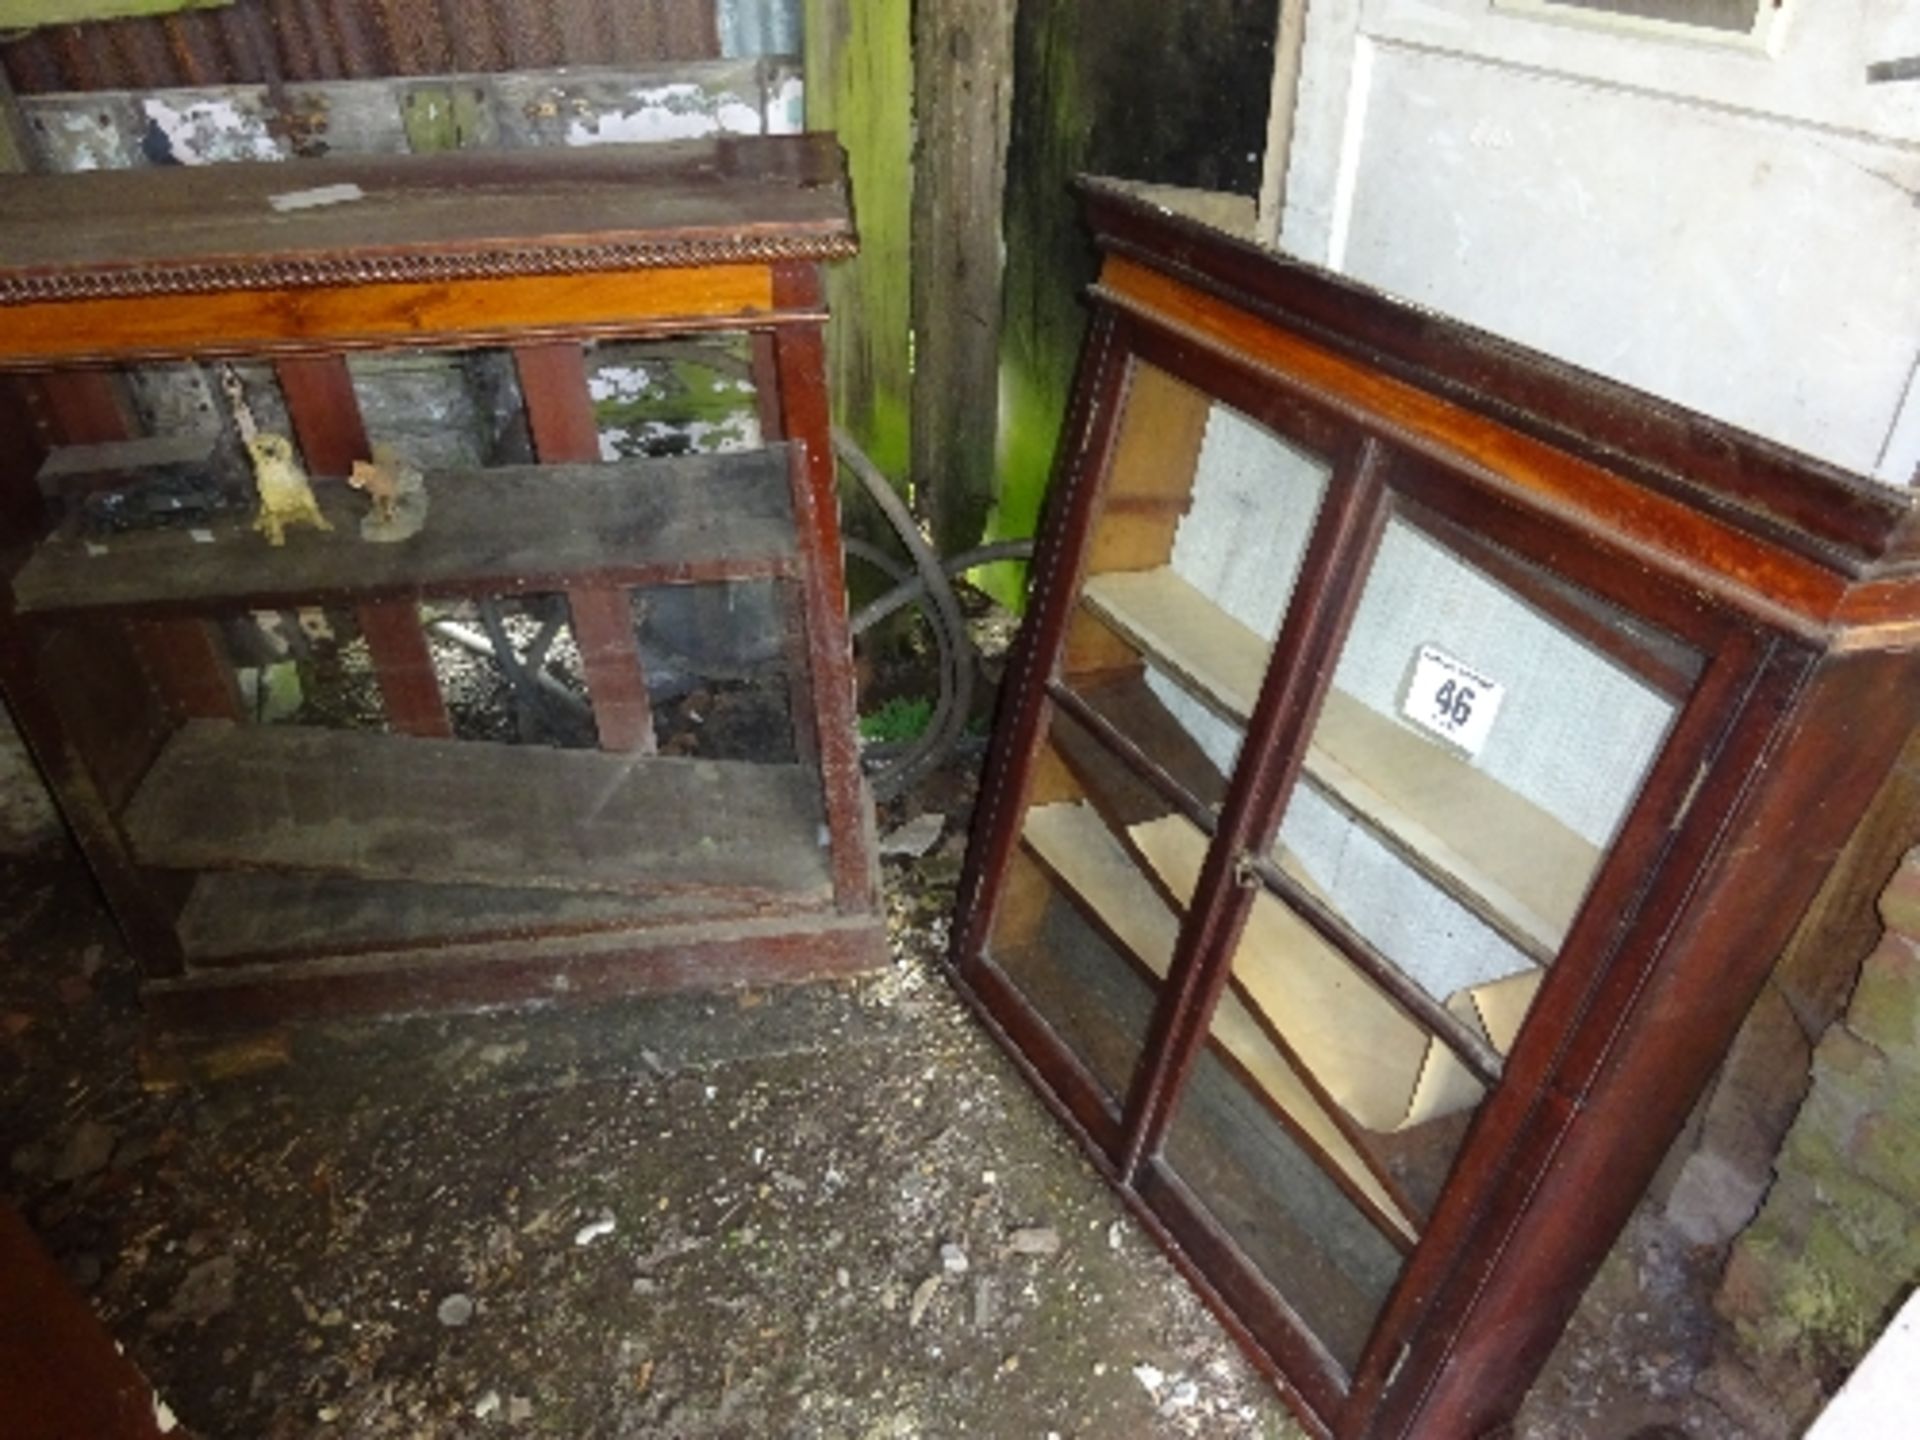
<point x="829" y="1211"/>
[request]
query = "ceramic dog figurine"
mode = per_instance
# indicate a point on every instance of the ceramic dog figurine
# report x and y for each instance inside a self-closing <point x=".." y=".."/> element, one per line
<point x="399" y="494"/>
<point x="285" y="496"/>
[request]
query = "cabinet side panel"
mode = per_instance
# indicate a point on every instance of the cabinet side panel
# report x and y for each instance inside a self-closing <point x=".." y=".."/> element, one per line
<point x="1654" y="1034"/>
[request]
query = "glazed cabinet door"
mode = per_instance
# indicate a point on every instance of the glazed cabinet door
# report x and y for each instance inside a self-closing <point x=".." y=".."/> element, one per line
<point x="1482" y="733"/>
<point x="1320" y="777"/>
<point x="1141" y="724"/>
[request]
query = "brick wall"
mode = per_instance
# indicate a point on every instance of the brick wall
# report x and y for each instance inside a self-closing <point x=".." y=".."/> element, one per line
<point x="1835" y="1248"/>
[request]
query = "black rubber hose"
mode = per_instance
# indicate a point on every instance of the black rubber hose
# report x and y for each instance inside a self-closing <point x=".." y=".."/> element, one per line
<point x="911" y="588"/>
<point x="950" y="631"/>
<point x="928" y="585"/>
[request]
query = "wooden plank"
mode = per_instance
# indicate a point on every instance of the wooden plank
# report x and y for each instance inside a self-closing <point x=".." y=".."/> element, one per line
<point x="799" y="677"/>
<point x="1162" y="422"/>
<point x="1149" y="481"/>
<point x="190" y="661"/>
<point x="473" y="812"/>
<point x="258" y="916"/>
<point x="1140" y="715"/>
<point x="1219" y="661"/>
<point x="776" y="949"/>
<point x="271" y="320"/>
<point x="489" y="532"/>
<point x="464" y="215"/>
<point x="1516" y="866"/>
<point x="1134" y="536"/>
<point x="1076" y="846"/>
<point x="553" y="382"/>
<point x="403" y="666"/>
<point x="800" y="354"/>
<point x="326" y="413"/>
<point x="765" y="366"/>
<point x="1093" y="653"/>
<point x="85" y="407"/>
<point x="603" y="630"/>
<point x="78" y="469"/>
<point x="62" y="1375"/>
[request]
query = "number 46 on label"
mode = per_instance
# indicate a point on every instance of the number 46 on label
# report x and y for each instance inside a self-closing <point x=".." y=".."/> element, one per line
<point x="1451" y="699"/>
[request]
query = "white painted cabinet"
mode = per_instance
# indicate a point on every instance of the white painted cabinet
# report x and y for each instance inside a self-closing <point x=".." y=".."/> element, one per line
<point x="1732" y="226"/>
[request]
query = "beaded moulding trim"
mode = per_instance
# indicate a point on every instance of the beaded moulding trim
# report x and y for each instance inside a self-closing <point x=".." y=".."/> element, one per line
<point x="199" y="277"/>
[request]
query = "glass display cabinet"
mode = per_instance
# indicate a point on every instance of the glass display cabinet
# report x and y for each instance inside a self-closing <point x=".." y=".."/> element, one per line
<point x="671" y="797"/>
<point x="1414" y="756"/>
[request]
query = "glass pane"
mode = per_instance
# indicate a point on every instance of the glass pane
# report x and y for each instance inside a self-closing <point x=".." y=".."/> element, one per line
<point x="1481" y="743"/>
<point x="509" y="669"/>
<point x="1260" y="1175"/>
<point x="1487" y="730"/>
<point x="304" y="667"/>
<point x="1204" y="519"/>
<point x="1084" y="939"/>
<point x="722" y="660"/>
<point x="1730" y="15"/>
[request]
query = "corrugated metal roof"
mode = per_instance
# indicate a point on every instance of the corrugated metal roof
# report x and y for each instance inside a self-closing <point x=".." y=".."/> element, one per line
<point x="265" y="41"/>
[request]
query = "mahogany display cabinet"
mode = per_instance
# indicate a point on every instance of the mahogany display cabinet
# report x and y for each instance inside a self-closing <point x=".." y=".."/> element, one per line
<point x="1415" y="755"/>
<point x="399" y="860"/>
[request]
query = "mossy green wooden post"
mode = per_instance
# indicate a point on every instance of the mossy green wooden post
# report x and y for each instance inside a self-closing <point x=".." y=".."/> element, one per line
<point x="1173" y="94"/>
<point x="963" y="95"/>
<point x="859" y="79"/>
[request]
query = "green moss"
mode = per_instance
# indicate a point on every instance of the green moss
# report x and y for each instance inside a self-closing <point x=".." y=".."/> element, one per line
<point x="27" y="14"/>
<point x="1830" y="1302"/>
<point x="658" y="400"/>
<point x="1049" y="261"/>
<point x="677" y="392"/>
<point x="1135" y="88"/>
<point x="1880" y="1226"/>
<point x="426" y="114"/>
<point x="898" y="720"/>
<point x="1884" y="1151"/>
<point x="1886" y="1006"/>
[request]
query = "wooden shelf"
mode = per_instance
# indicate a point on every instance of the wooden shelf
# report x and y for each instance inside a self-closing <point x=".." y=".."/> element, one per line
<point x="239" y="917"/>
<point x="389" y="807"/>
<point x="1511" y="863"/>
<point x="1078" y="849"/>
<point x="488" y="532"/>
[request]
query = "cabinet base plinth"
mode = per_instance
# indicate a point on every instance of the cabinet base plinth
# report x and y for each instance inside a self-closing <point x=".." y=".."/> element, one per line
<point x="761" y="951"/>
